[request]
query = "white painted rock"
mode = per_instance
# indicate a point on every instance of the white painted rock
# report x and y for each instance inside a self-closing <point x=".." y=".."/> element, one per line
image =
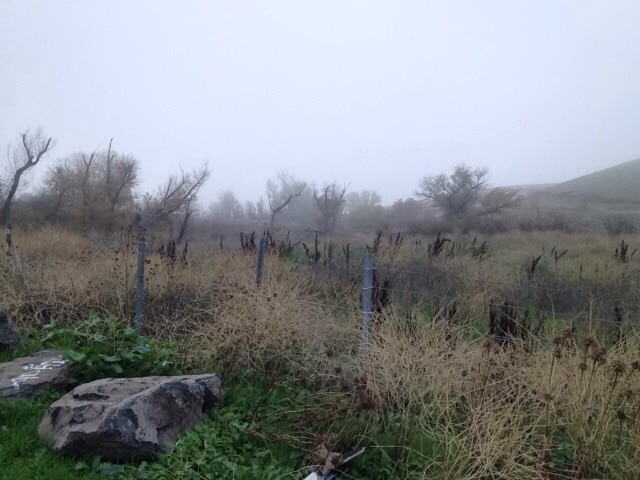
<point x="128" y="419"/>
<point x="27" y="377"/>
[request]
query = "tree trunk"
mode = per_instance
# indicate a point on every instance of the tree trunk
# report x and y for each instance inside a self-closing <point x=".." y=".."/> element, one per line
<point x="6" y="208"/>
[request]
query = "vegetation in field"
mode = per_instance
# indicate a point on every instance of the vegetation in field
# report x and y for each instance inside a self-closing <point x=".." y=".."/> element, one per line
<point x="265" y="430"/>
<point x="105" y="347"/>
<point x="23" y="454"/>
<point x="552" y="392"/>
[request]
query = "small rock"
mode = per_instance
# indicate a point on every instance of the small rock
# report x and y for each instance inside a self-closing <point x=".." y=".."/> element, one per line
<point x="128" y="419"/>
<point x="9" y="336"/>
<point x="27" y="377"/>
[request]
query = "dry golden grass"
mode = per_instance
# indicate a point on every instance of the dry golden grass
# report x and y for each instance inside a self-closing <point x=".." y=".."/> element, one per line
<point x="278" y="325"/>
<point x="507" y="412"/>
<point x="212" y="299"/>
<point x="562" y="408"/>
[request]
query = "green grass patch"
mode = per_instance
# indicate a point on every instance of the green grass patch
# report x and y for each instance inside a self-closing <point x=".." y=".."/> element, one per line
<point x="23" y="454"/>
<point x="266" y="429"/>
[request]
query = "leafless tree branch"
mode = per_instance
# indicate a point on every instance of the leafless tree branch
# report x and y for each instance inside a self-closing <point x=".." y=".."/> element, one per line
<point x="34" y="146"/>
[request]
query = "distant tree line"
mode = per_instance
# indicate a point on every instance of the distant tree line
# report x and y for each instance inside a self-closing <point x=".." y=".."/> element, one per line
<point x="98" y="191"/>
<point x="463" y="198"/>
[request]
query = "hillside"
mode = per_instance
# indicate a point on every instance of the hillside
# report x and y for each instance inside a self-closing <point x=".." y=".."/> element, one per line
<point x="620" y="183"/>
<point x="591" y="199"/>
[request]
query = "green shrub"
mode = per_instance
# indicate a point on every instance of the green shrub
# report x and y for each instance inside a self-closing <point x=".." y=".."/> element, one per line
<point x="220" y="447"/>
<point x="105" y="347"/>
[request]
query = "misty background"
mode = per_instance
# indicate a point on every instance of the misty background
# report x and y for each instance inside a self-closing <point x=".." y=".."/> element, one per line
<point x="371" y="94"/>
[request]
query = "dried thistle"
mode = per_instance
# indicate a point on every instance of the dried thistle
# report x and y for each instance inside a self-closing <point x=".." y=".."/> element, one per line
<point x="589" y="342"/>
<point x="618" y="367"/>
<point x="599" y="354"/>
<point x="622" y="416"/>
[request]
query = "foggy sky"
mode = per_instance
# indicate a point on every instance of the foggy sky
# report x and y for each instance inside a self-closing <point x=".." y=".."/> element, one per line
<point x="375" y="94"/>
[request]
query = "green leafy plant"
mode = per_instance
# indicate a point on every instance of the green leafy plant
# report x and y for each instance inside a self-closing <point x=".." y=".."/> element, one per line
<point x="221" y="447"/>
<point x="105" y="347"/>
<point x="23" y="454"/>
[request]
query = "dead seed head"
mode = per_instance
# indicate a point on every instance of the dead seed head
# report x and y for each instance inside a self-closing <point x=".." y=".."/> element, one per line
<point x="622" y="416"/>
<point x="589" y="342"/>
<point x="618" y="367"/>
<point x="599" y="354"/>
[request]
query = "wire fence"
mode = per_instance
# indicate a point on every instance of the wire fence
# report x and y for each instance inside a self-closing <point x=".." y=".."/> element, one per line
<point x="428" y="290"/>
<point x="448" y="298"/>
<point x="373" y="297"/>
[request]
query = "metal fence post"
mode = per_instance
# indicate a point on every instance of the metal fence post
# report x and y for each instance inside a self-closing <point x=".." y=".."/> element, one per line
<point x="260" y="265"/>
<point x="367" y="302"/>
<point x="140" y="284"/>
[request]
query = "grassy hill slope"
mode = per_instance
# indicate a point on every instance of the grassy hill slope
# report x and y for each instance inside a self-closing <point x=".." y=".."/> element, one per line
<point x="618" y="183"/>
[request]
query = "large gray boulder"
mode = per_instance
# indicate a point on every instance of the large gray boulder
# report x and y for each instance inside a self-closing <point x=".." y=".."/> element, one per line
<point x="128" y="419"/>
<point x="9" y="336"/>
<point x="28" y="377"/>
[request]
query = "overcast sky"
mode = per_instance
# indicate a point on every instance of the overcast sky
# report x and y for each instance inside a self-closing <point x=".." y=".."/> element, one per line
<point x="372" y="93"/>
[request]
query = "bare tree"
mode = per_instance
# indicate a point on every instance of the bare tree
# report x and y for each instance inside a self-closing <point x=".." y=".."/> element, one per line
<point x="281" y="192"/>
<point x="497" y="199"/>
<point x="261" y="209"/>
<point x="177" y="195"/>
<point x="250" y="210"/>
<point x="27" y="154"/>
<point x="95" y="189"/>
<point x="120" y="176"/>
<point x="56" y="190"/>
<point x="365" y="199"/>
<point x="227" y="207"/>
<point x="85" y="163"/>
<point x="189" y="210"/>
<point x="465" y="193"/>
<point x="330" y="203"/>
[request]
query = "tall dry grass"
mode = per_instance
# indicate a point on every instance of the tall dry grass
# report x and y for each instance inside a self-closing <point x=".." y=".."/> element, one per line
<point x="211" y="299"/>
<point x="571" y="410"/>
<point x="280" y="326"/>
<point x="562" y="406"/>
